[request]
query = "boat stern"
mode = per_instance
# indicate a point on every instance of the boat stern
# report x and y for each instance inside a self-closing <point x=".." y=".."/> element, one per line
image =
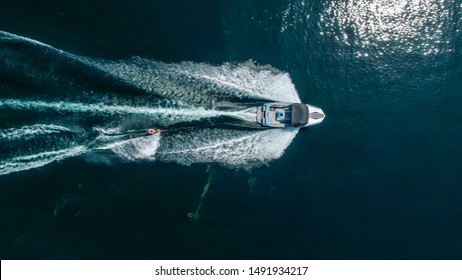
<point x="263" y="116"/>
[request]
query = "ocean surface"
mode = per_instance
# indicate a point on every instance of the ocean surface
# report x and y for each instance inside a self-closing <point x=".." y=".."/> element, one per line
<point x="81" y="81"/>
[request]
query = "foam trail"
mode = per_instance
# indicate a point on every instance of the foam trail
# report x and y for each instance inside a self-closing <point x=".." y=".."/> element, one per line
<point x="139" y="92"/>
<point x="16" y="38"/>
<point x="247" y="114"/>
<point x="199" y="83"/>
<point x="168" y="115"/>
<point x="228" y="147"/>
<point x="52" y="148"/>
<point x="142" y="148"/>
<point x="202" y="83"/>
<point x="231" y="148"/>
<point x="21" y="163"/>
<point x="27" y="132"/>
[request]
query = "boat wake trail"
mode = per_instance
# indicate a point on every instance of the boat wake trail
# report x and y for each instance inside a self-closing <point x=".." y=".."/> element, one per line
<point x="27" y="132"/>
<point x="55" y="105"/>
<point x="165" y="116"/>
<point x="202" y="83"/>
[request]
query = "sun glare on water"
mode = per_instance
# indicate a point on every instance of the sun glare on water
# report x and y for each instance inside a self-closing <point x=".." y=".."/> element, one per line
<point x="392" y="26"/>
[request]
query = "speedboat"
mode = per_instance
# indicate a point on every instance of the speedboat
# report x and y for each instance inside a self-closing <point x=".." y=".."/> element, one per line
<point x="289" y="115"/>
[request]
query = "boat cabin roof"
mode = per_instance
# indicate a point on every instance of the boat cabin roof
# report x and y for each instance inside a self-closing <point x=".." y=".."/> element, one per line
<point x="300" y="114"/>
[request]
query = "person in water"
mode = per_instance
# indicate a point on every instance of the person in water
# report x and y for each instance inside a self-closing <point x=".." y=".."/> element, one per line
<point x="154" y="131"/>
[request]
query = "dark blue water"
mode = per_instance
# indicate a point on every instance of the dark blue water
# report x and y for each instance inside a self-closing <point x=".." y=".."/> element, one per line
<point x="378" y="179"/>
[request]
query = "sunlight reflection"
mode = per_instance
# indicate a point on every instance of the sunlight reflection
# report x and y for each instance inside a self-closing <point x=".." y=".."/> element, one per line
<point x="392" y="26"/>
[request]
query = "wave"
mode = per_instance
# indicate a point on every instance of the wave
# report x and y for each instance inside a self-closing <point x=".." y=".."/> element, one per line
<point x="232" y="148"/>
<point x="139" y="148"/>
<point x="229" y="148"/>
<point x="27" y="132"/>
<point x="197" y="83"/>
<point x="203" y="83"/>
<point x="109" y="122"/>
<point x="165" y="115"/>
<point x="21" y="163"/>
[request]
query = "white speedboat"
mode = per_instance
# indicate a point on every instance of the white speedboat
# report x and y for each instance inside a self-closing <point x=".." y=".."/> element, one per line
<point x="289" y="115"/>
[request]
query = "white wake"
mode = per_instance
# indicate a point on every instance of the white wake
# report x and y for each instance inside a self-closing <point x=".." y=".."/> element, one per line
<point x="27" y="132"/>
<point x="203" y="83"/>
<point x="166" y="115"/>
<point x="187" y="92"/>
